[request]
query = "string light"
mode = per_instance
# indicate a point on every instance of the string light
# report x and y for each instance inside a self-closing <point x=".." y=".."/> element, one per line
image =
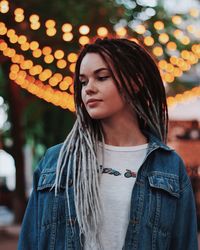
<point x="25" y="46"/>
<point x="67" y="37"/>
<point x="140" y="29"/>
<point x="121" y="31"/>
<point x="187" y="95"/>
<point x="176" y="20"/>
<point x="158" y="51"/>
<point x="148" y="41"/>
<point x="50" y="24"/>
<point x="66" y="27"/>
<point x="19" y="15"/>
<point x="3" y="30"/>
<point x="194" y="12"/>
<point x="61" y="64"/>
<point x="46" y="50"/>
<point x="51" y="32"/>
<point x="22" y="39"/>
<point x="34" y="20"/>
<point x="4" y="6"/>
<point x="37" y="53"/>
<point x="175" y="67"/>
<point x="171" y="46"/>
<point x="72" y="57"/>
<point x="159" y="25"/>
<point x="34" y="45"/>
<point x="102" y="31"/>
<point x="59" y="54"/>
<point x="83" y="40"/>
<point x="48" y="59"/>
<point x="72" y="67"/>
<point x="163" y="38"/>
<point x="84" y="29"/>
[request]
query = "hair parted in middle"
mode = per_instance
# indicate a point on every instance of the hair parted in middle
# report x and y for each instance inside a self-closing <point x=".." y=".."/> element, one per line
<point x="138" y="81"/>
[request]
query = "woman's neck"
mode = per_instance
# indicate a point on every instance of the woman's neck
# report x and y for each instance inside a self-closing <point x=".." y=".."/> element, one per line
<point x="123" y="132"/>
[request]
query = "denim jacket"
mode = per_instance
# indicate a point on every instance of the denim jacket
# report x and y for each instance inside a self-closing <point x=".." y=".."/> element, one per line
<point x="162" y="216"/>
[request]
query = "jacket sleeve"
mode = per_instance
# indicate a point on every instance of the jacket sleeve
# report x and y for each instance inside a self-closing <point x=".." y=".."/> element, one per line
<point x="184" y="234"/>
<point x="28" y="238"/>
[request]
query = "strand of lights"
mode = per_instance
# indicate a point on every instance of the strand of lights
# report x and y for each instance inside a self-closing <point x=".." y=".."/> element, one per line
<point x="45" y="92"/>
<point x="19" y="62"/>
<point x="169" y="70"/>
<point x="34" y="22"/>
<point x="34" y="47"/>
<point x="178" y="65"/>
<point x="19" y="15"/>
<point x="187" y="95"/>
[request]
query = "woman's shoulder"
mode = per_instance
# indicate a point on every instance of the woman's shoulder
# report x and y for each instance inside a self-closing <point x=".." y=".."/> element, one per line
<point x="49" y="162"/>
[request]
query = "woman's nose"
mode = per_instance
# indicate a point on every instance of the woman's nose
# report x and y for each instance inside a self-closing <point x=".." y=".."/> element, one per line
<point x="91" y="87"/>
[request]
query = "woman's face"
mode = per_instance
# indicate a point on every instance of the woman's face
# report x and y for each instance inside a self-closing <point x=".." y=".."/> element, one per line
<point x="99" y="93"/>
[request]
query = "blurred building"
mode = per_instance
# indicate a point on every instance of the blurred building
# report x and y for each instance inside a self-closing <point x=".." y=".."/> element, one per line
<point x="184" y="137"/>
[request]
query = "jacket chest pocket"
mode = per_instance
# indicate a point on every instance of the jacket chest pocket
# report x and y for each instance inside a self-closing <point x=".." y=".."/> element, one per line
<point x="163" y="196"/>
<point x="51" y="207"/>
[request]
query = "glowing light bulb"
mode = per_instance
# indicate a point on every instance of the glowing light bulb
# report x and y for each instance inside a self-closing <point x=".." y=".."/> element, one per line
<point x="4" y="6"/>
<point x="37" y="53"/>
<point x="22" y="39"/>
<point x="10" y="32"/>
<point x="102" y="31"/>
<point x="140" y="29"/>
<point x="158" y="51"/>
<point x="121" y="31"/>
<point x="59" y="54"/>
<point x="177" y="20"/>
<point x="67" y="37"/>
<point x="66" y="27"/>
<point x="51" y="32"/>
<point x="34" y="45"/>
<point x="72" y="67"/>
<point x="72" y="57"/>
<point x="50" y="23"/>
<point x="61" y="64"/>
<point x="34" y="18"/>
<point x="163" y="38"/>
<point x="19" y="11"/>
<point x="148" y="41"/>
<point x="49" y="59"/>
<point x="3" y="46"/>
<point x="46" y="50"/>
<point x="171" y="46"/>
<point x="25" y="46"/>
<point x="84" y="29"/>
<point x="158" y="25"/>
<point x="35" y="26"/>
<point x="84" y="40"/>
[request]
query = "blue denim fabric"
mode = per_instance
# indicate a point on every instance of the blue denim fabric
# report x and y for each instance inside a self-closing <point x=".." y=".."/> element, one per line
<point x="162" y="217"/>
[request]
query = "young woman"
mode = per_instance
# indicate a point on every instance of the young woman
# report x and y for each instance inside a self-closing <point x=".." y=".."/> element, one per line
<point x="113" y="184"/>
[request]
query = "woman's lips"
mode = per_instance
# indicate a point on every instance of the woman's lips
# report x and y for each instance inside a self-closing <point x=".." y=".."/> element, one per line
<point x="92" y="102"/>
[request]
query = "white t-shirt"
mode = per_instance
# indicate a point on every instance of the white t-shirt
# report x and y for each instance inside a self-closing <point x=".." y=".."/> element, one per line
<point x="120" y="168"/>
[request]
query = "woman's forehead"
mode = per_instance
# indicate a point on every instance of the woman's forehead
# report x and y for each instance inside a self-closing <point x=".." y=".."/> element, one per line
<point x="91" y="62"/>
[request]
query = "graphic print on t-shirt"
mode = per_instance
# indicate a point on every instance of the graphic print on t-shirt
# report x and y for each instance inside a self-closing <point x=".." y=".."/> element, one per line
<point x="114" y="172"/>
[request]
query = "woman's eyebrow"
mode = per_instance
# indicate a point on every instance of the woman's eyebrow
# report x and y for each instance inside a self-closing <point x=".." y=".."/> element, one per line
<point x="97" y="71"/>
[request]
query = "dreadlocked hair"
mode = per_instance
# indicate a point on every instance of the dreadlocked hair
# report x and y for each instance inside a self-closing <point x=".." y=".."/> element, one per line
<point x="138" y="81"/>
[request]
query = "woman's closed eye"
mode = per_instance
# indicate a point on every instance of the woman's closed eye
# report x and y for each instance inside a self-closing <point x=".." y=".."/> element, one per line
<point x="102" y="78"/>
<point x="99" y="78"/>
